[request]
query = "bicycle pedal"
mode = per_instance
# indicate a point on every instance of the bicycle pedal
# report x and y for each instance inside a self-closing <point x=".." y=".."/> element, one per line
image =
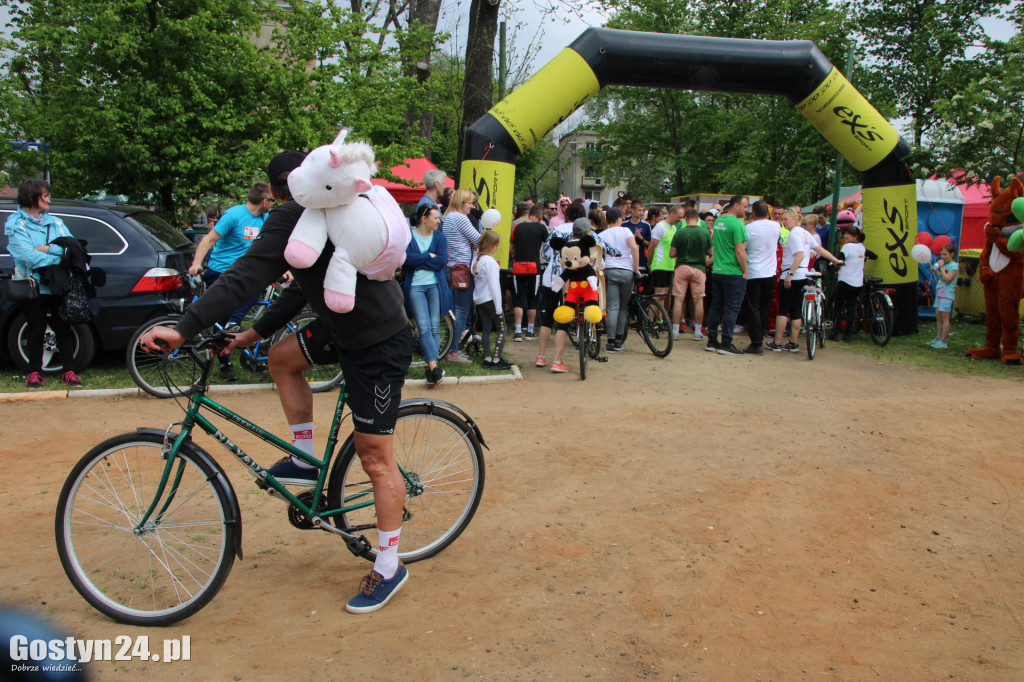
<point x="602" y="358"/>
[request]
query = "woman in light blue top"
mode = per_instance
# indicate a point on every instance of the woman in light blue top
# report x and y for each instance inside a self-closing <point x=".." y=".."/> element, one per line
<point x="427" y="295"/>
<point x="29" y="232"/>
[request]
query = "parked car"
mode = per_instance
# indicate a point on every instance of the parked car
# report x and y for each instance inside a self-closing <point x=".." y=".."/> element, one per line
<point x="139" y="261"/>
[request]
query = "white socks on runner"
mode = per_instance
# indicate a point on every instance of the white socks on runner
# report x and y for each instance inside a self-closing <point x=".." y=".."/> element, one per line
<point x="302" y="438"/>
<point x="387" y="553"/>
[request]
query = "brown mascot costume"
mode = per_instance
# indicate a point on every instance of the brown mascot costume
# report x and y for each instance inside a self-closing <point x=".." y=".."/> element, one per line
<point x="1001" y="272"/>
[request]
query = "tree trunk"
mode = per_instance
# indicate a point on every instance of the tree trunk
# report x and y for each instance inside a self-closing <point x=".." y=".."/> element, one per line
<point x="479" y="82"/>
<point x="419" y="120"/>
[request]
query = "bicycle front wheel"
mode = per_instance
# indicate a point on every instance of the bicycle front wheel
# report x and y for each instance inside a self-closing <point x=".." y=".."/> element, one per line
<point x="323" y="377"/>
<point x="442" y="459"/>
<point x="656" y="327"/>
<point x="164" y="374"/>
<point x="173" y="565"/>
<point x="584" y="345"/>
<point x="880" y="318"/>
<point x="811" y="328"/>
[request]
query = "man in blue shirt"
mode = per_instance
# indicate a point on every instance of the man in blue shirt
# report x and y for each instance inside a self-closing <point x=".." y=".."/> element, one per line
<point x="229" y="239"/>
<point x="433" y="181"/>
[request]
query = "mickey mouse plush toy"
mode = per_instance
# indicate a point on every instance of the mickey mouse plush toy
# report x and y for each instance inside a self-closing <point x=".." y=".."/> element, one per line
<point x="579" y="272"/>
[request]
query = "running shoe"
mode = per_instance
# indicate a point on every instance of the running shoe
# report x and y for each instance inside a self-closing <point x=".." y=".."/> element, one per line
<point x="940" y="344"/>
<point x="518" y="337"/>
<point x="227" y="373"/>
<point x="698" y="335"/>
<point x="618" y="344"/>
<point x="375" y="591"/>
<point x="773" y="347"/>
<point x="559" y="367"/>
<point x="457" y="356"/>
<point x="34" y="380"/>
<point x="731" y="349"/>
<point x="530" y="336"/>
<point x="792" y="347"/>
<point x="712" y="346"/>
<point x="754" y="350"/>
<point x="541" y="361"/>
<point x="610" y="347"/>
<point x="497" y="364"/>
<point x="71" y="380"/>
<point x="287" y="472"/>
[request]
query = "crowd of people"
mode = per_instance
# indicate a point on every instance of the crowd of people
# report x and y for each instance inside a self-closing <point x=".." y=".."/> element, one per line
<point x="730" y="268"/>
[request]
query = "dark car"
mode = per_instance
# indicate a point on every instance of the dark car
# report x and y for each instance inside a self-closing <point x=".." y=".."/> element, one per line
<point x="138" y="261"/>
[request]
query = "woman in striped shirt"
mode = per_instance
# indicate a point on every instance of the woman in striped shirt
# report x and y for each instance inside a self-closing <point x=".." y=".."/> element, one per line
<point x="462" y="240"/>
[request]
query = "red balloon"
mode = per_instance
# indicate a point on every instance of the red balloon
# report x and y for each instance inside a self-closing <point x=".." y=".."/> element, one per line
<point x="939" y="242"/>
<point x="924" y="238"/>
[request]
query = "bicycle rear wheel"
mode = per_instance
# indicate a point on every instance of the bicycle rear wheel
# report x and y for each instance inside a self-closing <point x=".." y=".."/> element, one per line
<point x="181" y="557"/>
<point x="441" y="455"/>
<point x="321" y="378"/>
<point x="445" y="329"/>
<point x="164" y="374"/>
<point x="584" y="342"/>
<point x="656" y="327"/>
<point x="811" y="328"/>
<point x="880" y="317"/>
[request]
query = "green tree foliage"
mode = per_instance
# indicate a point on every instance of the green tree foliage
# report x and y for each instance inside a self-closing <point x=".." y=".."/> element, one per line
<point x="981" y="127"/>
<point x="917" y="53"/>
<point x="162" y="101"/>
<point x="719" y="142"/>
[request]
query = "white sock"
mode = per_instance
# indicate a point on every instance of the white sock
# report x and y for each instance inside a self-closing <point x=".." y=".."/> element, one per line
<point x="519" y="329"/>
<point x="529" y="329"/>
<point x="302" y="438"/>
<point x="387" y="553"/>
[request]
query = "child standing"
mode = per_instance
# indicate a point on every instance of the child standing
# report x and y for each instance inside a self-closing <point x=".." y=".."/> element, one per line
<point x="946" y="269"/>
<point x="487" y="297"/>
<point x="851" y="280"/>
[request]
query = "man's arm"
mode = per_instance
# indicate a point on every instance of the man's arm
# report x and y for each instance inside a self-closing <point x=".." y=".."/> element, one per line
<point x="204" y="246"/>
<point x="634" y="251"/>
<point x="741" y="257"/>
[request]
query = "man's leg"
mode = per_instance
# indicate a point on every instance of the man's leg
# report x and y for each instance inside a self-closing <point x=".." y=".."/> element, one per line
<point x="286" y="363"/>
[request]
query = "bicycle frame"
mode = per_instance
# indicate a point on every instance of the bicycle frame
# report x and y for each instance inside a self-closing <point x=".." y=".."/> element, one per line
<point x="199" y="402"/>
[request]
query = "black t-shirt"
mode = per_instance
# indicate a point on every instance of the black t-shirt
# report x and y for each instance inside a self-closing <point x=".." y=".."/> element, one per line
<point x="378" y="314"/>
<point x="528" y="239"/>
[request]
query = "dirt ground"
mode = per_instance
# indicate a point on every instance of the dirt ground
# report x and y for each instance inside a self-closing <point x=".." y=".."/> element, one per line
<point x="700" y="517"/>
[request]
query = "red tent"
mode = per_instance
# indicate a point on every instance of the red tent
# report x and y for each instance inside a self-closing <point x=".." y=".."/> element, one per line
<point x="413" y="170"/>
<point x="977" y="200"/>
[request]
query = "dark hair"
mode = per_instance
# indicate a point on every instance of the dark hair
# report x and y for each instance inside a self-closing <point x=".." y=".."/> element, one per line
<point x="760" y="208"/>
<point x="612" y="214"/>
<point x="31" y="191"/>
<point x="691" y="214"/>
<point x="574" y="211"/>
<point x="259" y="192"/>
<point x="736" y="199"/>
<point x="422" y="211"/>
<point x="536" y="211"/>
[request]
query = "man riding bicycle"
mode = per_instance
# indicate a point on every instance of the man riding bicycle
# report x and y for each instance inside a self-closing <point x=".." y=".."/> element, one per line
<point x="373" y="343"/>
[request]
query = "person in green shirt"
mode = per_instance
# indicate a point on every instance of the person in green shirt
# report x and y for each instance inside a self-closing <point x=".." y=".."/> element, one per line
<point x="729" y="284"/>
<point x="691" y="249"/>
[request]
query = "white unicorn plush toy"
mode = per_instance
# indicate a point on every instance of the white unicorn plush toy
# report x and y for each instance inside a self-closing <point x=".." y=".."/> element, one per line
<point x="368" y="229"/>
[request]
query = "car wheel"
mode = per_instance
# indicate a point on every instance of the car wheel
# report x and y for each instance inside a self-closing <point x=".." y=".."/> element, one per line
<point x="85" y="347"/>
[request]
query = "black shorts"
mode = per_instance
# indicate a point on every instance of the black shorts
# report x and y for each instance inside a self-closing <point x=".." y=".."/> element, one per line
<point x="526" y="291"/>
<point x="374" y="376"/>
<point x="791" y="300"/>
<point x="662" y="279"/>
<point x="549" y="300"/>
<point x="317" y="343"/>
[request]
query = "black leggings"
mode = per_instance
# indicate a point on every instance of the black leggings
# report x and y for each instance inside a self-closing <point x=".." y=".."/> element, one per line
<point x="846" y="306"/>
<point x="36" y="312"/>
<point x="489" y="318"/>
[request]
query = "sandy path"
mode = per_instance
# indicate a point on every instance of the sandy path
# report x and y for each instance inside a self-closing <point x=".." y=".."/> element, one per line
<point x="699" y="517"/>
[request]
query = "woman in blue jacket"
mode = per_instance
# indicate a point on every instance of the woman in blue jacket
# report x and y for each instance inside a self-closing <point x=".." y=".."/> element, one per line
<point x="427" y="295"/>
<point x="29" y="232"/>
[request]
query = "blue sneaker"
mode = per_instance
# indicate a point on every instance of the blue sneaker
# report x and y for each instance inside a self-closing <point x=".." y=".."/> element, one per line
<point x="288" y="472"/>
<point x="375" y="591"/>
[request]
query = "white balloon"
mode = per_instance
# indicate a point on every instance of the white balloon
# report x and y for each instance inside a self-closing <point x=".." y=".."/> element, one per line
<point x="921" y="253"/>
<point x="490" y="218"/>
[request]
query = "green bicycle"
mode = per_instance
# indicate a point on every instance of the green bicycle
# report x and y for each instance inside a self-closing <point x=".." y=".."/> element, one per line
<point x="148" y="524"/>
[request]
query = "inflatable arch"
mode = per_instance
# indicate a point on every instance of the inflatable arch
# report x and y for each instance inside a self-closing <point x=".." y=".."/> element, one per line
<point x="796" y="70"/>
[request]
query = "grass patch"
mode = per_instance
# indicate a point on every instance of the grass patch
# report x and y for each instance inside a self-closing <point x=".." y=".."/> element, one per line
<point x="108" y="371"/>
<point x="911" y="350"/>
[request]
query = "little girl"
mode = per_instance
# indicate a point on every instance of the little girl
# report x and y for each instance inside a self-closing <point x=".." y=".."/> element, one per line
<point x="487" y="297"/>
<point x="945" y="291"/>
<point x="851" y="280"/>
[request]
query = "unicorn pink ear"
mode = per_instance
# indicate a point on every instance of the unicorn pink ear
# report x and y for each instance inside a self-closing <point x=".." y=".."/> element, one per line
<point x="335" y="157"/>
<point x="340" y="139"/>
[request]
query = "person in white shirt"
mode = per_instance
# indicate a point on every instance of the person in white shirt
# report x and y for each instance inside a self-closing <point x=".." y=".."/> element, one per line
<point x="618" y="275"/>
<point x="851" y="280"/>
<point x="796" y="257"/>
<point x="762" y="246"/>
<point x="488" y="300"/>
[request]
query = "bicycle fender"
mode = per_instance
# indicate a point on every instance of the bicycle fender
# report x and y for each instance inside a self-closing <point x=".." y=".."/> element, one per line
<point x="220" y="480"/>
<point x="430" y="402"/>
